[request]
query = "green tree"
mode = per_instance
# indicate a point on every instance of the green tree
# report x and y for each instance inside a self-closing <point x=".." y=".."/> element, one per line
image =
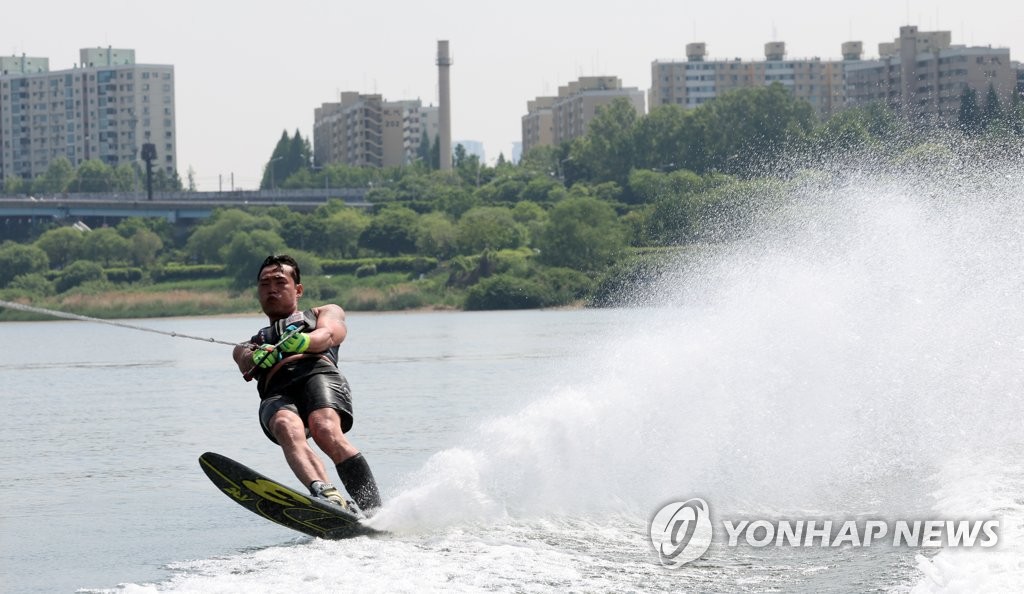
<point x="143" y="247"/>
<point x="207" y="243"/>
<point x="300" y="155"/>
<point x="471" y="171"/>
<point x="672" y="218"/>
<point x="459" y="155"/>
<point x="392" y="231"/>
<point x="749" y="130"/>
<point x="124" y="178"/>
<point x="670" y="138"/>
<point x="62" y="245"/>
<point x="970" y="118"/>
<point x="299" y="230"/>
<point x="17" y="259"/>
<point x="162" y="227"/>
<point x="543" y="160"/>
<point x="292" y="156"/>
<point x="845" y="131"/>
<point x="532" y="217"/>
<point x="582" y="233"/>
<point x="58" y="176"/>
<point x="423" y="150"/>
<point x="15" y="185"/>
<point x="246" y="251"/>
<point x="542" y="188"/>
<point x="506" y="188"/>
<point x="1015" y="117"/>
<point x="992" y="115"/>
<point x="106" y="246"/>
<point x="435" y="153"/>
<point x="275" y="171"/>
<point x="453" y="200"/>
<point x="166" y="182"/>
<point x="436" y="235"/>
<point x="651" y="186"/>
<point x="93" y="176"/>
<point x="342" y="230"/>
<point x="608" y="150"/>
<point x="488" y="227"/>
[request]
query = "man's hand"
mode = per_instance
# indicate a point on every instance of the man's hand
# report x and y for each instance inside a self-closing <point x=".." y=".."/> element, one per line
<point x="265" y="356"/>
<point x="296" y="343"/>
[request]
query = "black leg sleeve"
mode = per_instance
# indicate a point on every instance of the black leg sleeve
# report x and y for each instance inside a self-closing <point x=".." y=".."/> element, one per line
<point x="358" y="480"/>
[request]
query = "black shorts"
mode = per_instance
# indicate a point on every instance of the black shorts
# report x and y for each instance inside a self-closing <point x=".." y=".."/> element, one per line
<point x="306" y="394"/>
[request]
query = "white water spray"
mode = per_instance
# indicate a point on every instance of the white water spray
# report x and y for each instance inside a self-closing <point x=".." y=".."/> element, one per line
<point x="867" y="333"/>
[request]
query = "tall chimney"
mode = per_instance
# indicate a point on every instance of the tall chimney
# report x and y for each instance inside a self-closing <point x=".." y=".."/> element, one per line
<point x="445" y="107"/>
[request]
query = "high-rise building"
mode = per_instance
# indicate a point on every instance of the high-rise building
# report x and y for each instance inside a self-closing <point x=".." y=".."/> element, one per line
<point x="104" y="108"/>
<point x="578" y="102"/>
<point x="349" y="131"/>
<point x="539" y="123"/>
<point x="922" y="75"/>
<point x="366" y="130"/>
<point x="698" y="80"/>
<point x="472" y="147"/>
<point x="554" y="120"/>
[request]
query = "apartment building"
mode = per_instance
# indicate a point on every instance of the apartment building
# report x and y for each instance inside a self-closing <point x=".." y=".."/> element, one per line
<point x="578" y="102"/>
<point x="923" y="75"/>
<point x="554" y="120"/>
<point x="105" y="107"/>
<point x="349" y="131"/>
<point x="366" y="130"/>
<point x="539" y="123"/>
<point x="698" y="80"/>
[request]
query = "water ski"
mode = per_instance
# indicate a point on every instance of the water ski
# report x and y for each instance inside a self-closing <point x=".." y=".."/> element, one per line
<point x="278" y="503"/>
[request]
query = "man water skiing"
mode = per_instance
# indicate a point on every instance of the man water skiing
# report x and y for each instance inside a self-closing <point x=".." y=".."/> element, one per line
<point x="302" y="392"/>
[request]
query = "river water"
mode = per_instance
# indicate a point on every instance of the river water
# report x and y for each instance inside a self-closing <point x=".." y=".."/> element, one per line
<point x="862" y="361"/>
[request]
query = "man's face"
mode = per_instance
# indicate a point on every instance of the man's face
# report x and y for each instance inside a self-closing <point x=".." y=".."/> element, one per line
<point x="278" y="293"/>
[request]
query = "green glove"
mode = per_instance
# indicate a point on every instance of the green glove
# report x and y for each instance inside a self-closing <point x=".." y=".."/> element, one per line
<point x="265" y="356"/>
<point x="296" y="343"/>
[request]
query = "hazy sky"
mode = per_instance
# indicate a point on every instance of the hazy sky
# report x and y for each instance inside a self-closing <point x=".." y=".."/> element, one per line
<point x="245" y="71"/>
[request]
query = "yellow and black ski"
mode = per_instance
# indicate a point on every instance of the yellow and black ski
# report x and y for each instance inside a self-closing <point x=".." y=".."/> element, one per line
<point x="280" y="504"/>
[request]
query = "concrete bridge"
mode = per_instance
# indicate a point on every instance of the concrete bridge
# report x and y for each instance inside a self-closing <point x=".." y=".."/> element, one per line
<point x="173" y="206"/>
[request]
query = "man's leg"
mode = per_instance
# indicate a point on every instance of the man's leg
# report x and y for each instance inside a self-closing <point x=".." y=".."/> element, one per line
<point x="325" y="429"/>
<point x="290" y="433"/>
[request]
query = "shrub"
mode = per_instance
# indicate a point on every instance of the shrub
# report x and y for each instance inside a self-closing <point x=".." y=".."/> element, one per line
<point x="414" y="264"/>
<point x="78" y="273"/>
<point x="503" y="291"/>
<point x="178" y="272"/>
<point x="404" y="297"/>
<point x="565" y="284"/>
<point x="516" y="262"/>
<point x="33" y="285"/>
<point x="124" y="275"/>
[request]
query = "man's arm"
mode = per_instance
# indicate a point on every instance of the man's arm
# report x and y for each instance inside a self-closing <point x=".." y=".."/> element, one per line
<point x="243" y="357"/>
<point x="330" y="328"/>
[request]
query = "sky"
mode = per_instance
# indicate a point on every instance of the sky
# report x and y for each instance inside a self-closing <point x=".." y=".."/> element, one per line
<point x="246" y="71"/>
